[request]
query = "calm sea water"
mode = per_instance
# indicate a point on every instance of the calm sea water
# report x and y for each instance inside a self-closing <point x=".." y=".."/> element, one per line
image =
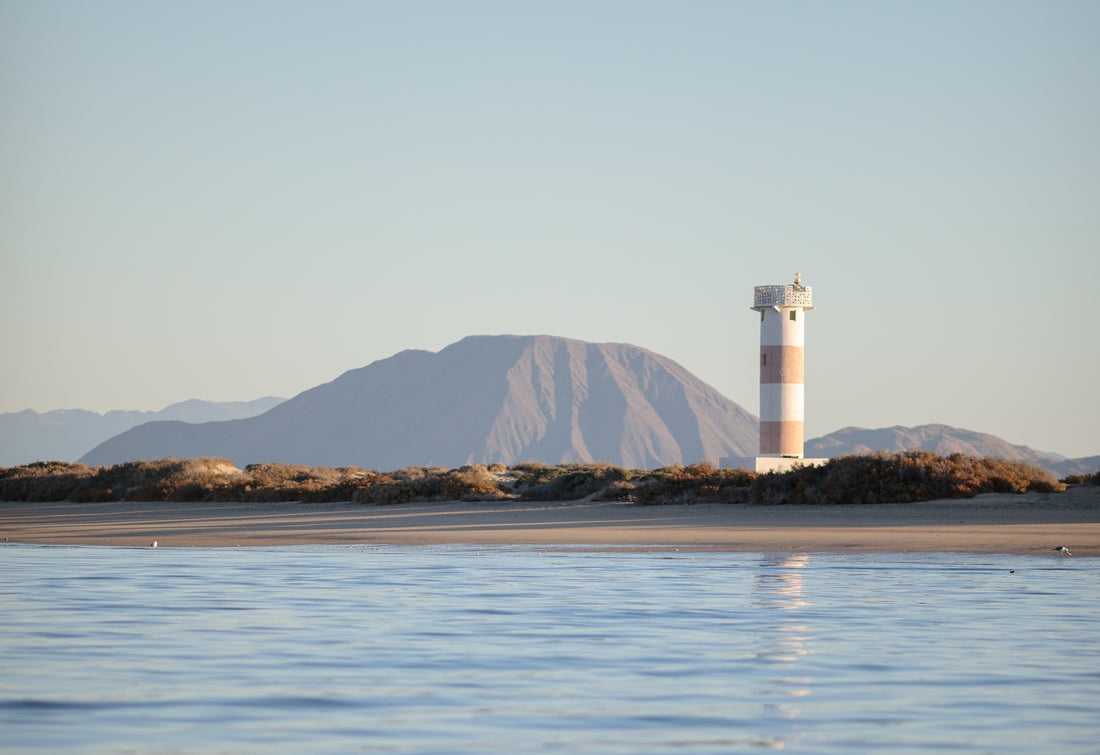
<point x="515" y="650"/>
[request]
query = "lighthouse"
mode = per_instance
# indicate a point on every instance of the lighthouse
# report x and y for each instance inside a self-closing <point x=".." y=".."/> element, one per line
<point x="782" y="366"/>
<point x="782" y="378"/>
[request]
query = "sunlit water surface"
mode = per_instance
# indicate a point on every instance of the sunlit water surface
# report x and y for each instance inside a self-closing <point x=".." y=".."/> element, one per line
<point x="513" y="650"/>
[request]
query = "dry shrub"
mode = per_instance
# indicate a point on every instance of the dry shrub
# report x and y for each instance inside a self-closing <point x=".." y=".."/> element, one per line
<point x="863" y="479"/>
<point x="470" y="483"/>
<point x="900" y="478"/>
<point x="567" y="482"/>
<point x="42" y="481"/>
<point x="401" y="486"/>
<point x="876" y="478"/>
<point x="702" y="481"/>
<point x="1090" y="479"/>
<point x="620" y="490"/>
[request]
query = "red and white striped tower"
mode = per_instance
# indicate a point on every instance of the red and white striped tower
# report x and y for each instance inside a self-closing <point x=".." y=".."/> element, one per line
<point x="782" y="347"/>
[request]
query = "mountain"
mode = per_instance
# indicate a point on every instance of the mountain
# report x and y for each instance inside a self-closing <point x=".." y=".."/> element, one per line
<point x="484" y="399"/>
<point x="65" y="434"/>
<point x="1081" y="466"/>
<point x="943" y="440"/>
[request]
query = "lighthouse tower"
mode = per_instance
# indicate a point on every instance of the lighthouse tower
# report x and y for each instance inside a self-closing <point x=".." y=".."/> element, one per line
<point x="782" y="377"/>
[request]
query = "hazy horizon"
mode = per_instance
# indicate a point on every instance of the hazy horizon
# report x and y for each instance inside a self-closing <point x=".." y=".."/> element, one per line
<point x="226" y="201"/>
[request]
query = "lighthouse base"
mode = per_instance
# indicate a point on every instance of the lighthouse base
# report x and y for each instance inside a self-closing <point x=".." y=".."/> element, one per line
<point x="767" y="463"/>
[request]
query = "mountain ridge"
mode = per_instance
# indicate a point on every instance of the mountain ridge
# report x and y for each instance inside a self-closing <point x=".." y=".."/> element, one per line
<point x="943" y="440"/>
<point x="499" y="398"/>
<point x="66" y="434"/>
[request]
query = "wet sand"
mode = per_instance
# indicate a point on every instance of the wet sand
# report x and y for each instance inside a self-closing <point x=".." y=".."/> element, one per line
<point x="1021" y="524"/>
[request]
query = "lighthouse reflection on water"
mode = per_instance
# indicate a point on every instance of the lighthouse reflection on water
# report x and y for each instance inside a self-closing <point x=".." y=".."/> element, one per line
<point x="784" y="642"/>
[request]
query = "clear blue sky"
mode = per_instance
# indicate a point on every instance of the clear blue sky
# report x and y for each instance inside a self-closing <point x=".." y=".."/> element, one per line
<point x="226" y="200"/>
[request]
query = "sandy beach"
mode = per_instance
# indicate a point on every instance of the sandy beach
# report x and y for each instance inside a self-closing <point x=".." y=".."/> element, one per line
<point x="1022" y="524"/>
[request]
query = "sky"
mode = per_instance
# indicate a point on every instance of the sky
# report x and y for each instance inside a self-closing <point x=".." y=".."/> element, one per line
<point x="227" y="200"/>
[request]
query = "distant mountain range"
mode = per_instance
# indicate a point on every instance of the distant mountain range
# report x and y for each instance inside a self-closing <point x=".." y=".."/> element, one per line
<point x="943" y="440"/>
<point x="66" y="434"/>
<point x="484" y="399"/>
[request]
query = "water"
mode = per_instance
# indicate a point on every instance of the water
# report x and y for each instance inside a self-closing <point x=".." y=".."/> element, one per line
<point x="516" y="650"/>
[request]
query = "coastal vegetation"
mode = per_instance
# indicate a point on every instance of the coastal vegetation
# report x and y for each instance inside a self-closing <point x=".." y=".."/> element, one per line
<point x="879" y="478"/>
<point x="1083" y="479"/>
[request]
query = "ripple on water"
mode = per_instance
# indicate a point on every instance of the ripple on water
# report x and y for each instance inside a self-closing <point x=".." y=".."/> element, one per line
<point x="516" y="650"/>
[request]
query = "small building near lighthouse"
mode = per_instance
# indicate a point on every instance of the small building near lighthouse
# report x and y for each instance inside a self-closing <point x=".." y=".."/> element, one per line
<point x="783" y="310"/>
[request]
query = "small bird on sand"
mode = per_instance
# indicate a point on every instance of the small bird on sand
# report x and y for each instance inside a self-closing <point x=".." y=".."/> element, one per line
<point x="1063" y="550"/>
<point x="153" y="544"/>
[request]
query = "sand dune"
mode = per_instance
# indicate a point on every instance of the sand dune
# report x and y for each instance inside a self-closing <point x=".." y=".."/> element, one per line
<point x="1024" y="524"/>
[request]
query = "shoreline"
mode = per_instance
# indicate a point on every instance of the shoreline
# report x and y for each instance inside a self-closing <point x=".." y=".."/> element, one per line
<point x="1031" y="523"/>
